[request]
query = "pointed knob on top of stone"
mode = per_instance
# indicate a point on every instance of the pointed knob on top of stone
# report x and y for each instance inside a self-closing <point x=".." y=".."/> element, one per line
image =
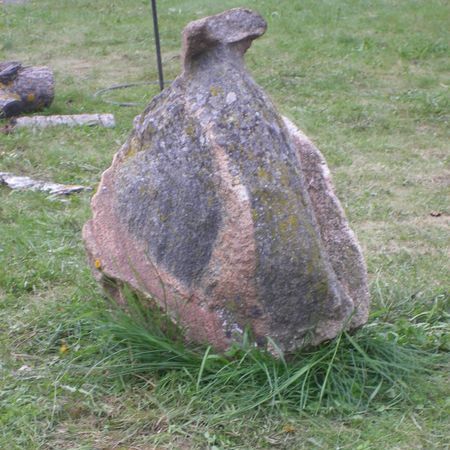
<point x="235" y="28"/>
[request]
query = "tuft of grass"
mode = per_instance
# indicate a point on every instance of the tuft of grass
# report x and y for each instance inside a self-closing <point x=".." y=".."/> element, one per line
<point x="375" y="369"/>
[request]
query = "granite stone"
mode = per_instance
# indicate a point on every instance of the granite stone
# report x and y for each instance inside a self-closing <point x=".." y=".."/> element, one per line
<point x="223" y="211"/>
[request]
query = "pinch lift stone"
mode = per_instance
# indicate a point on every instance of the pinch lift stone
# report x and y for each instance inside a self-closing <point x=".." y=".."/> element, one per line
<point x="223" y="211"/>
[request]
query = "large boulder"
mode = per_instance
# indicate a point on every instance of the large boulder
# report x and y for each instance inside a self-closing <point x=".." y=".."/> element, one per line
<point x="223" y="211"/>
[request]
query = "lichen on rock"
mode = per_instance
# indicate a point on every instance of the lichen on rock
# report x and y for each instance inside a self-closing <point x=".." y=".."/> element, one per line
<point x="223" y="211"/>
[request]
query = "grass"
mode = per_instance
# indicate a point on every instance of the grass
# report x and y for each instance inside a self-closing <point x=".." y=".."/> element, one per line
<point x="346" y="375"/>
<point x="368" y="82"/>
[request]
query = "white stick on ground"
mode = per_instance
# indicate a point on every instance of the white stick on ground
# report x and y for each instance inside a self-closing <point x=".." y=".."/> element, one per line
<point x="18" y="182"/>
<point x="103" y="120"/>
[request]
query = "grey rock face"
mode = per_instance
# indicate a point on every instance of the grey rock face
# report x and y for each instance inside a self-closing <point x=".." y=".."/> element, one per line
<point x="223" y="211"/>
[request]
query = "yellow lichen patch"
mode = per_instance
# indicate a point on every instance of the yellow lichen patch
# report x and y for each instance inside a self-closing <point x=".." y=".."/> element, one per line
<point x="132" y="148"/>
<point x="190" y="130"/>
<point x="30" y="97"/>
<point x="215" y="91"/>
<point x="97" y="264"/>
<point x="130" y="152"/>
<point x="288" y="226"/>
<point x="210" y="201"/>
<point x="263" y="174"/>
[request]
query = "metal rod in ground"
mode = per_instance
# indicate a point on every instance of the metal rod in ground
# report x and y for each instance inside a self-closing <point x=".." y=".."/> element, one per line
<point x="158" y="47"/>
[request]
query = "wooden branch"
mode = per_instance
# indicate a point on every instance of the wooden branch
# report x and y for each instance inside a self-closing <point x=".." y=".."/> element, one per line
<point x="103" y="120"/>
<point x="21" y="183"/>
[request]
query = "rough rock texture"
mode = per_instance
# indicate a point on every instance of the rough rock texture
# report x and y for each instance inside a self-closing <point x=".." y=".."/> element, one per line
<point x="24" y="89"/>
<point x="223" y="211"/>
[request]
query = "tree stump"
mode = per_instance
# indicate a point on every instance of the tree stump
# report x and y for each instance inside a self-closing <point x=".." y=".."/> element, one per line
<point x="24" y="89"/>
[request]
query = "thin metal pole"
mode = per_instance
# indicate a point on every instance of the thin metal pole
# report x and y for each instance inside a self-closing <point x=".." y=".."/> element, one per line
<point x="158" y="47"/>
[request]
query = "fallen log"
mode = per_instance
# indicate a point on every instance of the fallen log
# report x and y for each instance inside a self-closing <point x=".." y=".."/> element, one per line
<point x="24" y="89"/>
<point x="102" y="120"/>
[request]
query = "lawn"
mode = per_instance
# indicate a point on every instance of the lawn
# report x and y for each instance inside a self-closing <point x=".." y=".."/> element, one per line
<point x="367" y="81"/>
